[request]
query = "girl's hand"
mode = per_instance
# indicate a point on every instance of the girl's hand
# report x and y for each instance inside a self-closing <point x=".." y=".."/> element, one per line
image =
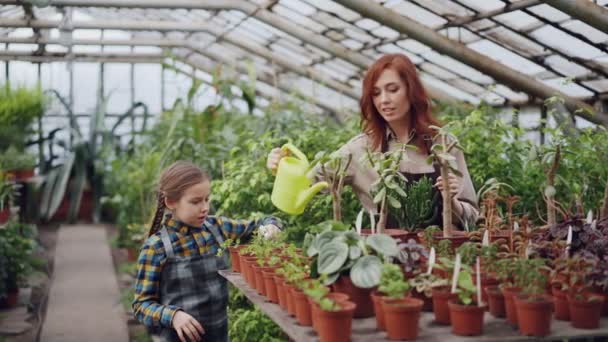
<point x="454" y="184"/>
<point x="275" y="155"/>
<point x="186" y="325"/>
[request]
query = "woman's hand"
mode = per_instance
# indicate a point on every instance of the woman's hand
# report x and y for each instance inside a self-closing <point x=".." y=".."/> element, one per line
<point x="186" y="325"/>
<point x="453" y="182"/>
<point x="275" y="155"/>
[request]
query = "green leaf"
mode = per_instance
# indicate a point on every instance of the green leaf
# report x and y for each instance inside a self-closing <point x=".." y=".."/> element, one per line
<point x="366" y="272"/>
<point x="380" y="195"/>
<point x="332" y="257"/>
<point x="324" y="238"/>
<point x="394" y="202"/>
<point x="383" y="244"/>
<point x="354" y="252"/>
<point x="401" y="192"/>
<point x="331" y="278"/>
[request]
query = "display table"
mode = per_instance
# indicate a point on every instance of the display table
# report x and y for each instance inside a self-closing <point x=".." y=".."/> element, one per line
<point x="365" y="329"/>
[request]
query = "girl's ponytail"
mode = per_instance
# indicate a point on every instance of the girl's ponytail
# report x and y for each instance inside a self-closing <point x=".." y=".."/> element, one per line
<point x="158" y="216"/>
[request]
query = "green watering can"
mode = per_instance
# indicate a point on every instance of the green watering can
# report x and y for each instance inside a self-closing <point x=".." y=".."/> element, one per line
<point x="292" y="190"/>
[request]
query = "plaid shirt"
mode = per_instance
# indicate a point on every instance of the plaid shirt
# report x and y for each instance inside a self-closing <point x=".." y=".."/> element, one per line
<point x="186" y="241"/>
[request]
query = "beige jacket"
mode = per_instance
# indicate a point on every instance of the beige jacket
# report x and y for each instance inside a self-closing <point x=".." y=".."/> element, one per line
<point x="361" y="175"/>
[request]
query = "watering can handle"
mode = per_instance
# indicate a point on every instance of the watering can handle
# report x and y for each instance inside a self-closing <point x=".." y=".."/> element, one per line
<point x="294" y="151"/>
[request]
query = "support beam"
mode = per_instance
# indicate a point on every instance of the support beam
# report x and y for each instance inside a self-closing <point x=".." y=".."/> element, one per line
<point x="250" y="9"/>
<point x="584" y="10"/>
<point x="302" y="70"/>
<point x="461" y="52"/>
<point x="514" y="6"/>
<point x="82" y="57"/>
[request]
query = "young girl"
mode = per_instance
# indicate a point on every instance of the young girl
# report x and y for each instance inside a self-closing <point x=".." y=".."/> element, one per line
<point x="178" y="288"/>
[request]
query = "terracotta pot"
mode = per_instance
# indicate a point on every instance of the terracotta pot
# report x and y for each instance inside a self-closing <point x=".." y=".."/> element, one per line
<point x="291" y="303"/>
<point x="11" y="299"/>
<point x="401" y="317"/>
<point x="486" y="280"/>
<point x="270" y="286"/>
<point x="259" y="279"/>
<point x="496" y="301"/>
<point x="249" y="272"/>
<point x="428" y="301"/>
<point x="336" y="326"/>
<point x="242" y="265"/>
<point x="235" y="258"/>
<point x="600" y="293"/>
<point x="560" y="304"/>
<point x="467" y="320"/>
<point x="314" y="311"/>
<point x="302" y="308"/>
<point x="132" y="254"/>
<point x="377" y="300"/>
<point x="534" y="316"/>
<point x="458" y="237"/>
<point x="314" y="308"/>
<point x="397" y="234"/>
<point x="5" y="214"/>
<point x="338" y="297"/>
<point x="361" y="297"/>
<point x="584" y="312"/>
<point x="441" y="296"/>
<point x="279" y="281"/>
<point x="510" y="309"/>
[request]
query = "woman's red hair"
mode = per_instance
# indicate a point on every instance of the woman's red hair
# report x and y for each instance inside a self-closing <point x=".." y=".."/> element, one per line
<point x="420" y="114"/>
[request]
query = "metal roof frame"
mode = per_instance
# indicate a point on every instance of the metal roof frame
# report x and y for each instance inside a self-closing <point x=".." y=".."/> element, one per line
<point x="480" y="21"/>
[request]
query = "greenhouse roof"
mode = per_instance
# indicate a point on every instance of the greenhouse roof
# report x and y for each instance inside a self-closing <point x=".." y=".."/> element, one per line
<point x="498" y="51"/>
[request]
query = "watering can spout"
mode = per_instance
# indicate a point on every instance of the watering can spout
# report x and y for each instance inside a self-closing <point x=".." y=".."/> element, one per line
<point x="307" y="195"/>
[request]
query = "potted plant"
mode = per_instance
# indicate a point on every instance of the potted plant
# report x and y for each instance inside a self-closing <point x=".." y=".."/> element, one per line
<point x="335" y="320"/>
<point x="423" y="285"/>
<point x="533" y="305"/>
<point x="466" y="314"/>
<point x="441" y="155"/>
<point x="505" y="268"/>
<point x="352" y="264"/>
<point x="315" y="292"/>
<point x="334" y="168"/>
<point x="16" y="260"/>
<point x="416" y="211"/>
<point x="388" y="188"/>
<point x="390" y="280"/>
<point x="585" y="307"/>
<point x="599" y="281"/>
<point x="401" y="313"/>
<point x="7" y="194"/>
<point x="470" y="251"/>
<point x="18" y="164"/>
<point x="133" y="238"/>
<point x="443" y="294"/>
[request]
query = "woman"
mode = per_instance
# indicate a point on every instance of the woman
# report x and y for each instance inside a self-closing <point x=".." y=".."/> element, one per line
<point x="396" y="110"/>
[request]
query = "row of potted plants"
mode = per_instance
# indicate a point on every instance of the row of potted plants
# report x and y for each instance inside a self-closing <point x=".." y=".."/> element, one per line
<point x="281" y="272"/>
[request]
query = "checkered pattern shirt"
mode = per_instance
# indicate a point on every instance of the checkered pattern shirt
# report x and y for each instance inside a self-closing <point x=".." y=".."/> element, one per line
<point x="186" y="241"/>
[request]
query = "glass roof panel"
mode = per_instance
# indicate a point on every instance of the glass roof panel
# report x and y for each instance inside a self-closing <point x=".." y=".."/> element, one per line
<point x="565" y="42"/>
<point x="416" y="13"/>
<point x="506" y="57"/>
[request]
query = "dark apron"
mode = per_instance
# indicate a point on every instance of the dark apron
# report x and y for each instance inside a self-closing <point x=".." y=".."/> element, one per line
<point x="194" y="284"/>
<point x="435" y="217"/>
